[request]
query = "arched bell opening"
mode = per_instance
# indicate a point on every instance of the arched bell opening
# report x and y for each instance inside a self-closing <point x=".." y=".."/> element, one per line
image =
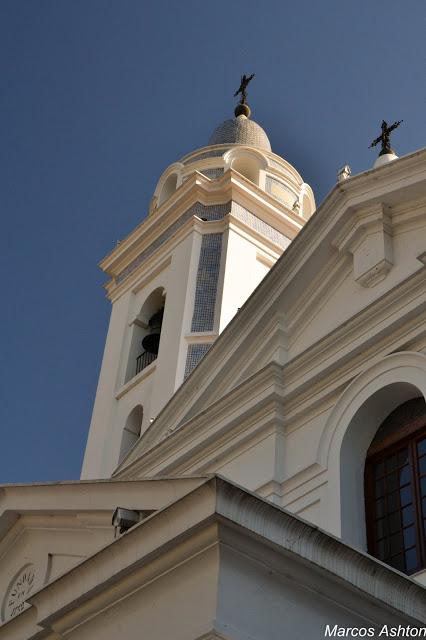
<point x="146" y="333"/>
<point x="131" y="431"/>
<point x="151" y="342"/>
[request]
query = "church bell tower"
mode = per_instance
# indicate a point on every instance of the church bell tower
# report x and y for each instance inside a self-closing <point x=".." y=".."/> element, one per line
<point x="218" y="220"/>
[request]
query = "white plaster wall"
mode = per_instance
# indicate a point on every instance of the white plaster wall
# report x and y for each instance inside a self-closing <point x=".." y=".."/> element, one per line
<point x="301" y="443"/>
<point x="254" y="466"/>
<point x="260" y="602"/>
<point x="114" y="402"/>
<point x="242" y="273"/>
<point x="105" y="395"/>
<point x="180" y="605"/>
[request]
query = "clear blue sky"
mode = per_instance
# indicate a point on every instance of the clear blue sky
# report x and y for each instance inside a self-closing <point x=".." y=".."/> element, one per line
<point x="98" y="97"/>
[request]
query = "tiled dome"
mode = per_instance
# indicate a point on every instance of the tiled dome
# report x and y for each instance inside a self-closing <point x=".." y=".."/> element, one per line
<point x="240" y="130"/>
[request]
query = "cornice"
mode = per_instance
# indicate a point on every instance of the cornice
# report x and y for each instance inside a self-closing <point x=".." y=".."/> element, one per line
<point x="402" y="173"/>
<point x="390" y="308"/>
<point x="217" y="511"/>
<point x="158" y="438"/>
<point x="304" y="483"/>
<point x="10" y="535"/>
<point x="317" y="390"/>
<point x="263" y="243"/>
<point x="155" y="224"/>
<point x="200" y="449"/>
<point x="320" y="549"/>
<point x="316" y="294"/>
<point x="407" y="215"/>
<point x="62" y="615"/>
<point x="198" y="188"/>
<point x="254" y="198"/>
<point x="160" y="259"/>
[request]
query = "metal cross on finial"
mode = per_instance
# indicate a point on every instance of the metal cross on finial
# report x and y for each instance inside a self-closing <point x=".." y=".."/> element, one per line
<point x="243" y="87"/>
<point x="384" y="138"/>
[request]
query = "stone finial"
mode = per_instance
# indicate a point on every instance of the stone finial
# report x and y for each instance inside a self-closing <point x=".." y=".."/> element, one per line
<point x="344" y="173"/>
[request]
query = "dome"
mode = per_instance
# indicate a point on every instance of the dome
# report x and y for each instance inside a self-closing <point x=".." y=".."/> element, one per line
<point x="240" y="130"/>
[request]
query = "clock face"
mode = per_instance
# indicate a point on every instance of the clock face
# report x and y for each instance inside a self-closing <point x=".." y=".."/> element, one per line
<point x="17" y="593"/>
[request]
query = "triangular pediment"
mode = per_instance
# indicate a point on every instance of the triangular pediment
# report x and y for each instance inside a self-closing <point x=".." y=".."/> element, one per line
<point x="47" y="529"/>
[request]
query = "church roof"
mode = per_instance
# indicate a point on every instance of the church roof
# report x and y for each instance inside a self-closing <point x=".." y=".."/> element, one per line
<point x="240" y="130"/>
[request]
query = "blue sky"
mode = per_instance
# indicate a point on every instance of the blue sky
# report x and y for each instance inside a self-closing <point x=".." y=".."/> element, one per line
<point x="97" y="98"/>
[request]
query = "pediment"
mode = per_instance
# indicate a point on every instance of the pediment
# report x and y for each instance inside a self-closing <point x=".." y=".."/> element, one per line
<point x="46" y="530"/>
<point x="37" y="550"/>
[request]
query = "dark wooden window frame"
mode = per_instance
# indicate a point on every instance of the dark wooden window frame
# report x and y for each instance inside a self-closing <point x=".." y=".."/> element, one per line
<point x="407" y="436"/>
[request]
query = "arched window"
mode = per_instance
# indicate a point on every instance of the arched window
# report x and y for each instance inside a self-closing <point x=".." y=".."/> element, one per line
<point x="395" y="489"/>
<point x="248" y="162"/>
<point x="131" y="431"/>
<point x="146" y="331"/>
<point x="248" y="166"/>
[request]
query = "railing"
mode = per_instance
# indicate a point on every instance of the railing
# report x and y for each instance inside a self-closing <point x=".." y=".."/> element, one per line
<point x="144" y="360"/>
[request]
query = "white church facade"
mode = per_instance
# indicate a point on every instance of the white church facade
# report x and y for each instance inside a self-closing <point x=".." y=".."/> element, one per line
<point x="259" y="422"/>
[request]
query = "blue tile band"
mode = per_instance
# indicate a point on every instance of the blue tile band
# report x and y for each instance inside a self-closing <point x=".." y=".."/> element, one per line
<point x="195" y="353"/>
<point x="206" y="285"/>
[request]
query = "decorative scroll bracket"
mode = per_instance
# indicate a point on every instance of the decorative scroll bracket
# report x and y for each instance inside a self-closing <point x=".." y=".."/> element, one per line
<point x="368" y="237"/>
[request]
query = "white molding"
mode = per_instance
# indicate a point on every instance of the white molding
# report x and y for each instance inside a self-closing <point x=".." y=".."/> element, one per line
<point x="137" y="379"/>
<point x="200" y="337"/>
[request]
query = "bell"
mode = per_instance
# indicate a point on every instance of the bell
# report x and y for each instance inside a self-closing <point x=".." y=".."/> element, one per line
<point x="151" y="342"/>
